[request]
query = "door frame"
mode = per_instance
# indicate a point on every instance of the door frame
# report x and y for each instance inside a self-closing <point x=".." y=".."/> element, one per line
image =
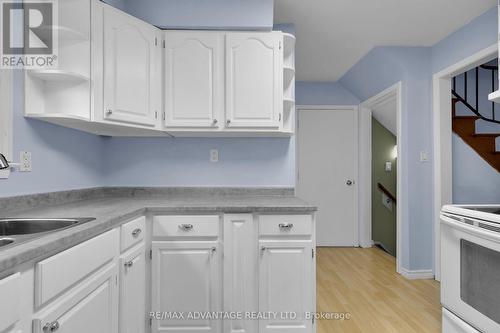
<point x="442" y="137"/>
<point x="325" y="107"/>
<point x="365" y="169"/>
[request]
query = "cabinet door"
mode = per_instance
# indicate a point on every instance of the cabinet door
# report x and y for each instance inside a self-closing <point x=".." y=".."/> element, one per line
<point x="133" y="291"/>
<point x="90" y="306"/>
<point x="132" y="63"/>
<point x="193" y="79"/>
<point x="286" y="286"/>
<point x="186" y="280"/>
<point x="254" y="79"/>
<point x="240" y="264"/>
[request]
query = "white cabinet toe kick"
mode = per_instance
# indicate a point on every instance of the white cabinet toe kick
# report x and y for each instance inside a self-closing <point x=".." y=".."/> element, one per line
<point x="192" y="273"/>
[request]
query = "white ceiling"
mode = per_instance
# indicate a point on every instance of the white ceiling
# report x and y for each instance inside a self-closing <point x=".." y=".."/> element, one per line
<point x="332" y="35"/>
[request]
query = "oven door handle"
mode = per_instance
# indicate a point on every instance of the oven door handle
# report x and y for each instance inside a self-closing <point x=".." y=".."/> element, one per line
<point x="473" y="230"/>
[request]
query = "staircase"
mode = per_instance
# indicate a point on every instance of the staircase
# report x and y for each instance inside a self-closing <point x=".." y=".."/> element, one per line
<point x="470" y="122"/>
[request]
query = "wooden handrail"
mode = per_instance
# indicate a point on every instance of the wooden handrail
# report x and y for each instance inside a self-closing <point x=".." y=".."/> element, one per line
<point x="386" y="192"/>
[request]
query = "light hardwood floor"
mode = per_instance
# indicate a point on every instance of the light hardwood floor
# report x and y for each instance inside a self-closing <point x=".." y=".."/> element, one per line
<point x="364" y="283"/>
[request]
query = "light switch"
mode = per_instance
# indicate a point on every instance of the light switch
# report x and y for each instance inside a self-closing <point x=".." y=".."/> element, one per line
<point x="424" y="156"/>
<point x="388" y="166"/>
<point x="214" y="155"/>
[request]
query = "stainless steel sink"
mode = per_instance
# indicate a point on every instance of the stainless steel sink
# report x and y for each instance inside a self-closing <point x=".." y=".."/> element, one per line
<point x="15" y="231"/>
<point x="6" y="241"/>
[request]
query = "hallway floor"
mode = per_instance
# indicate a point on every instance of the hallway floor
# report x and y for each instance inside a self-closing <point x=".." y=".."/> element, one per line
<point x="364" y="284"/>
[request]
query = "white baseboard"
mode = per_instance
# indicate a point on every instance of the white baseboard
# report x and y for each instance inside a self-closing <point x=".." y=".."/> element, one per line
<point x="422" y="274"/>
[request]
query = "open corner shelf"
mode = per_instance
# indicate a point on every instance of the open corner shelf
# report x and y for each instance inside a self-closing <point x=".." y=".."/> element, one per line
<point x="288" y="103"/>
<point x="56" y="75"/>
<point x="67" y="34"/>
<point x="288" y="75"/>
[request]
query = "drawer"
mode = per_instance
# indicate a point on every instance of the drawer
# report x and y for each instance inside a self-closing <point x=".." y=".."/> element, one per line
<point x="186" y="226"/>
<point x="285" y="225"/>
<point x="132" y="233"/>
<point x="58" y="273"/>
<point x="10" y="289"/>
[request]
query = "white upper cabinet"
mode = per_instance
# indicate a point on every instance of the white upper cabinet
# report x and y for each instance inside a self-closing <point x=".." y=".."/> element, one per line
<point x="254" y="79"/>
<point x="120" y="76"/>
<point x="194" y="83"/>
<point x="132" y="66"/>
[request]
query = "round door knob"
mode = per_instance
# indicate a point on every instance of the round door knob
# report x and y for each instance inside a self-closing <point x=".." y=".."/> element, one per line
<point x="349" y="182"/>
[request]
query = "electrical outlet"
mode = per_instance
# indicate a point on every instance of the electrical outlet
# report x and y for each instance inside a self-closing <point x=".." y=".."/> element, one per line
<point x="25" y="157"/>
<point x="214" y="155"/>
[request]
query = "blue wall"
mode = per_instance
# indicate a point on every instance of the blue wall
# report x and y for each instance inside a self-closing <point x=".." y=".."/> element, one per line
<point x="324" y="93"/>
<point x="196" y="14"/>
<point x="185" y="162"/>
<point x="474" y="180"/>
<point x="473" y="37"/>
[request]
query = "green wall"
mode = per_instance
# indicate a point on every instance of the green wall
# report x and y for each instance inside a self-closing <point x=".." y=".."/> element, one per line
<point x="383" y="220"/>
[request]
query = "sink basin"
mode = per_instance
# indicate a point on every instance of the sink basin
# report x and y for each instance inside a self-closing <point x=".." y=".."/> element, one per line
<point x="9" y="227"/>
<point x="6" y="241"/>
<point x="18" y="230"/>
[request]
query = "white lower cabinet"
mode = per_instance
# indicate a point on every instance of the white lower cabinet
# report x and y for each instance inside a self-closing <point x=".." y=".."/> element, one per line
<point x="286" y="286"/>
<point x="186" y="281"/>
<point x="133" y="291"/>
<point x="91" y="306"/>
<point x="203" y="266"/>
<point x="266" y="267"/>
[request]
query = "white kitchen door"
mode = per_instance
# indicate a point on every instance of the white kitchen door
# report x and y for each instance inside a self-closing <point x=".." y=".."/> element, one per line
<point x="327" y="152"/>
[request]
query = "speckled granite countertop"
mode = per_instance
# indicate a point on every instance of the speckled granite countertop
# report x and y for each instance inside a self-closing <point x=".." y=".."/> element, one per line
<point x="114" y="206"/>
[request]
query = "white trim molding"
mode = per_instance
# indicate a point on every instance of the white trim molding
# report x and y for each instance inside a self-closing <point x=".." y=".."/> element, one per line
<point x="365" y="168"/>
<point x="421" y="274"/>
<point x="442" y="137"/>
<point x="6" y="123"/>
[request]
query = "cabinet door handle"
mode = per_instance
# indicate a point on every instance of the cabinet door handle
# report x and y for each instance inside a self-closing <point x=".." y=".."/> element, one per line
<point x="228" y="121"/>
<point x="214" y="122"/>
<point x="263" y="249"/>
<point x="286" y="226"/>
<point x="186" y="227"/>
<point x="136" y="232"/>
<point x="213" y="249"/>
<point x="109" y="112"/>
<point x="51" y="327"/>
<point x="129" y="264"/>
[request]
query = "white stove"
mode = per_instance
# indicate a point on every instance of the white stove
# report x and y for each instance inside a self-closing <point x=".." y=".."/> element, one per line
<point x="470" y="268"/>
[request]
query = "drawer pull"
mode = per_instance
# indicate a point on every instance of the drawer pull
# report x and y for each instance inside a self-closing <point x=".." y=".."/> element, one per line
<point x="136" y="233"/>
<point x="129" y="264"/>
<point x="186" y="227"/>
<point x="51" y="327"/>
<point x="286" y="226"/>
